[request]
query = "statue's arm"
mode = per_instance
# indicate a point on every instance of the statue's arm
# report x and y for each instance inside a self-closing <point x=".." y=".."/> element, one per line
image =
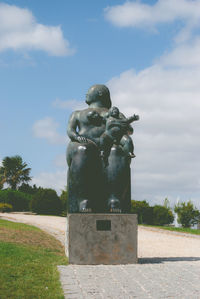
<point x="130" y="128"/>
<point x="132" y="118"/>
<point x="72" y="126"/>
<point x="72" y="129"/>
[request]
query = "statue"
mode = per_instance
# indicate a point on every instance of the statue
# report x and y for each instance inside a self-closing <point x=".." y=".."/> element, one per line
<point x="99" y="156"/>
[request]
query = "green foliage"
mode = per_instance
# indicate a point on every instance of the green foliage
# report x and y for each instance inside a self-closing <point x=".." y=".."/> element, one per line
<point x="156" y="215"/>
<point x="178" y="229"/>
<point x="46" y="201"/>
<point x="5" y="208"/>
<point x="19" y="200"/>
<point x="162" y="215"/>
<point x="63" y="198"/>
<point x="14" y="172"/>
<point x="143" y="210"/>
<point x="26" y="188"/>
<point x="188" y="215"/>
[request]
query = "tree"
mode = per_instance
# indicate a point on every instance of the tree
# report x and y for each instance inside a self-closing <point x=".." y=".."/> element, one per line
<point x="188" y="215"/>
<point x="14" y="172"/>
<point x="46" y="201"/>
<point x="26" y="188"/>
<point x="143" y="210"/>
<point x="162" y="215"/>
<point x="20" y="201"/>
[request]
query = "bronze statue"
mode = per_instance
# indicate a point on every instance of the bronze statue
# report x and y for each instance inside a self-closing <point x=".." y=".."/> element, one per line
<point x="99" y="156"/>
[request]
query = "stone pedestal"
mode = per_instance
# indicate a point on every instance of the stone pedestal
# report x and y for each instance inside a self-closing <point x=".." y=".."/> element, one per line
<point x="93" y="239"/>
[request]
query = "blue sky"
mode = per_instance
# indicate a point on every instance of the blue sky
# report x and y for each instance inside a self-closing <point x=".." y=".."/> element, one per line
<point x="147" y="52"/>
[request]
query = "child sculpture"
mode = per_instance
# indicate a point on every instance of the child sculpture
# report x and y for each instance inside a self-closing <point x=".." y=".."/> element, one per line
<point x="116" y="132"/>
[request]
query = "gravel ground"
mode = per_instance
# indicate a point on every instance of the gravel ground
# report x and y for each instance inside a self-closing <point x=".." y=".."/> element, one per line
<point x="169" y="265"/>
<point x="151" y="242"/>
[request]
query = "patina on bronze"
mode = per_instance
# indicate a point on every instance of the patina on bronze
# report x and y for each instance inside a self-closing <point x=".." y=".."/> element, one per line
<point x="99" y="156"/>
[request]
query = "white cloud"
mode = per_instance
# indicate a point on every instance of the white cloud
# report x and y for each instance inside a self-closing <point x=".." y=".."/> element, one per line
<point x="69" y="104"/>
<point x="55" y="180"/>
<point x="137" y="14"/>
<point x="186" y="54"/>
<point x="60" y="161"/>
<point x="47" y="129"/>
<point x="167" y="144"/>
<point x="19" y="30"/>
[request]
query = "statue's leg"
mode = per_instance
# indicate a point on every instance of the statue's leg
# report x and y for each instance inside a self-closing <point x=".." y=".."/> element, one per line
<point x="128" y="147"/>
<point x="118" y="181"/>
<point x="84" y="176"/>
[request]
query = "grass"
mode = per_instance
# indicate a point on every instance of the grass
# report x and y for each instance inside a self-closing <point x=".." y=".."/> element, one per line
<point x="28" y="262"/>
<point x="177" y="229"/>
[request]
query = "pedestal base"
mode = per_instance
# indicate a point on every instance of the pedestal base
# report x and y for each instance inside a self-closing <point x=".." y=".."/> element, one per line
<point x="93" y="239"/>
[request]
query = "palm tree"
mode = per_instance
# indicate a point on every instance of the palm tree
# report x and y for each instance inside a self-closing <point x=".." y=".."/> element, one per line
<point x="14" y="172"/>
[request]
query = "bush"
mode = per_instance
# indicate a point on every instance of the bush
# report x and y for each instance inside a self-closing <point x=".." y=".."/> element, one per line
<point x="5" y="208"/>
<point x="162" y="215"/>
<point x="188" y="215"/>
<point x="63" y="198"/>
<point x="143" y="210"/>
<point x="156" y="215"/>
<point x="19" y="200"/>
<point x="46" y="201"/>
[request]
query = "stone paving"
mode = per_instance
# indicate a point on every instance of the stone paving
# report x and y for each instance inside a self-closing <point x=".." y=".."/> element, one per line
<point x="151" y="278"/>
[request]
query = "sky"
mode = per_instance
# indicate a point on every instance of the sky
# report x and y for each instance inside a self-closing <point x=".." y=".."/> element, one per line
<point x="146" y="52"/>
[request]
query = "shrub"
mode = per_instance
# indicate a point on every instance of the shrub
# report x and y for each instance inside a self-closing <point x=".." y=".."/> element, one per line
<point x="143" y="210"/>
<point x="19" y="200"/>
<point x="46" y="201"/>
<point x="188" y="215"/>
<point x="63" y="198"/>
<point x="162" y="215"/>
<point x="5" y="207"/>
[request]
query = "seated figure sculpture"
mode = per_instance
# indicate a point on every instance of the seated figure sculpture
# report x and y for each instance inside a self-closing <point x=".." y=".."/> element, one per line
<point x="92" y="187"/>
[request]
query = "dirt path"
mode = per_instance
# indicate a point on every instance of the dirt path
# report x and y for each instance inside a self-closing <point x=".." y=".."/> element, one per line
<point x="152" y="243"/>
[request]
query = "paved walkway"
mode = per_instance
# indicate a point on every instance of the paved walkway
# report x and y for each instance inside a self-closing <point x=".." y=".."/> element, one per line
<point x="160" y="279"/>
<point x="169" y="266"/>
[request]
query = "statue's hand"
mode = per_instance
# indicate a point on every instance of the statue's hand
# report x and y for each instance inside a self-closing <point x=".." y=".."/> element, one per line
<point x="81" y="139"/>
<point x="136" y="117"/>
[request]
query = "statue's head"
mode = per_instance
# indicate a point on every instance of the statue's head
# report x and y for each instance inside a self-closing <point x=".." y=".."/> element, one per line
<point x="99" y="94"/>
<point x="114" y="111"/>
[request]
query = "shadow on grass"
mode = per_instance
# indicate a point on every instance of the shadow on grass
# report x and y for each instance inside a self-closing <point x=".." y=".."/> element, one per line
<point x="159" y="260"/>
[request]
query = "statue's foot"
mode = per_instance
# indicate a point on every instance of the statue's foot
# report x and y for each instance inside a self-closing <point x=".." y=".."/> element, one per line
<point x="114" y="205"/>
<point x="83" y="207"/>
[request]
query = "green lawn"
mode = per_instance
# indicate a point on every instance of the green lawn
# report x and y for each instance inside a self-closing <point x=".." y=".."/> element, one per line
<point x="28" y="262"/>
<point x="177" y="229"/>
